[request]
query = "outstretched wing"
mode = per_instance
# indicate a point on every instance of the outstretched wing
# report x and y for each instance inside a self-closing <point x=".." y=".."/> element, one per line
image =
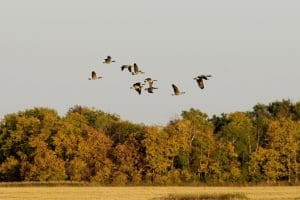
<point x="139" y="90"/>
<point x="206" y="76"/>
<point x="135" y="68"/>
<point x="175" y="88"/>
<point x="138" y="84"/>
<point x="129" y="68"/>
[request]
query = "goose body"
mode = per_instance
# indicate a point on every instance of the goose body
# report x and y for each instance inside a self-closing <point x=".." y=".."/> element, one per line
<point x="108" y="60"/>
<point x="200" y="79"/>
<point x="176" y="91"/>
<point x="136" y="70"/>
<point x="137" y="87"/>
<point x="150" y="81"/>
<point x="94" y="76"/>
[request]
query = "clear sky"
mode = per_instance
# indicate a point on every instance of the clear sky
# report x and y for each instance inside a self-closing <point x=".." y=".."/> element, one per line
<point x="49" y="48"/>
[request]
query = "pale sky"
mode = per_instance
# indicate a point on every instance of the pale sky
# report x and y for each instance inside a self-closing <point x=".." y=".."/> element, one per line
<point x="49" y="48"/>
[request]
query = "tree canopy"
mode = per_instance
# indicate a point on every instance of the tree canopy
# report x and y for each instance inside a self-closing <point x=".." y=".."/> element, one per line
<point x="262" y="145"/>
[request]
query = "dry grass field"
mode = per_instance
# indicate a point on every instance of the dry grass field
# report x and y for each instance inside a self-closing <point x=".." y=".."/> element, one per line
<point x="140" y="193"/>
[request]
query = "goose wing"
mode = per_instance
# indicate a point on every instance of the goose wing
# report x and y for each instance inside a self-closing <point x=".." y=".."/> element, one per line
<point x="175" y="88"/>
<point x="139" y="90"/>
<point x="205" y="76"/>
<point x="129" y="68"/>
<point x="135" y="68"/>
<point x="123" y="67"/>
<point x="94" y="75"/>
<point x="136" y="85"/>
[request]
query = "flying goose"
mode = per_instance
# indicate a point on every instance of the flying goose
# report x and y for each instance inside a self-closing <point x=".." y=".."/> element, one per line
<point x="150" y="89"/>
<point x="200" y="81"/>
<point x="94" y="76"/>
<point x="108" y="60"/>
<point x="136" y="69"/>
<point x="137" y="87"/>
<point x="150" y="81"/>
<point x="126" y="67"/>
<point x="176" y="91"/>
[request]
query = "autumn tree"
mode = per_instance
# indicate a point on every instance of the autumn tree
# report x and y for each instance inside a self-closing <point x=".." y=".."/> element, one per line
<point x="26" y="144"/>
<point x="284" y="137"/>
<point x="84" y="149"/>
<point x="264" y="165"/>
<point x="96" y="118"/>
<point x="91" y="145"/>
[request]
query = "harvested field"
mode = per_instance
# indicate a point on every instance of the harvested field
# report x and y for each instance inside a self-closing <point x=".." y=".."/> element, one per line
<point x="140" y="193"/>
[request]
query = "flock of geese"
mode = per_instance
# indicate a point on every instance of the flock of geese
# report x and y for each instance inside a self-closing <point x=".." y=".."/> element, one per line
<point x="135" y="70"/>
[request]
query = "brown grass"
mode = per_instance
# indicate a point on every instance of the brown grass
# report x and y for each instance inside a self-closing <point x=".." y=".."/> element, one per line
<point x="141" y="193"/>
<point x="206" y="197"/>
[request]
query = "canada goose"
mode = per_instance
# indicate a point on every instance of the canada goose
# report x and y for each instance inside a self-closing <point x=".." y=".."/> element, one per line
<point x="94" y="76"/>
<point x="150" y="89"/>
<point x="138" y="87"/>
<point x="126" y="67"/>
<point x="136" y="69"/>
<point x="200" y="81"/>
<point x="176" y="91"/>
<point x="108" y="60"/>
<point x="150" y="81"/>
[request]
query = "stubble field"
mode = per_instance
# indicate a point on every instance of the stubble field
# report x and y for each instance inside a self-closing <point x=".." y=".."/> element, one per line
<point x="140" y="193"/>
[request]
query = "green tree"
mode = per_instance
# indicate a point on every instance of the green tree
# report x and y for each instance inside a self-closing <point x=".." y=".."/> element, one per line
<point x="281" y="109"/>
<point x="225" y="166"/>
<point x="96" y="118"/>
<point x="261" y="120"/>
<point x="240" y="132"/>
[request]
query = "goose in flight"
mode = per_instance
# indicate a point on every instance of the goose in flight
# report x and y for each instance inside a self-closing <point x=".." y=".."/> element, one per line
<point x="108" y="60"/>
<point x="136" y="70"/>
<point x="150" y="89"/>
<point x="137" y="87"/>
<point x="150" y="81"/>
<point x="200" y="81"/>
<point x="126" y="67"/>
<point x="94" y="76"/>
<point x="176" y="91"/>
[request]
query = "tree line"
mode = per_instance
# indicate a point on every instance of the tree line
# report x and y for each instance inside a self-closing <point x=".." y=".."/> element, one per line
<point x="259" y="146"/>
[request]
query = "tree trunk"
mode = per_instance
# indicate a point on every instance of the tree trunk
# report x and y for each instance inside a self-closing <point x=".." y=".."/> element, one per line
<point x="257" y="139"/>
<point x="289" y="167"/>
<point x="296" y="169"/>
